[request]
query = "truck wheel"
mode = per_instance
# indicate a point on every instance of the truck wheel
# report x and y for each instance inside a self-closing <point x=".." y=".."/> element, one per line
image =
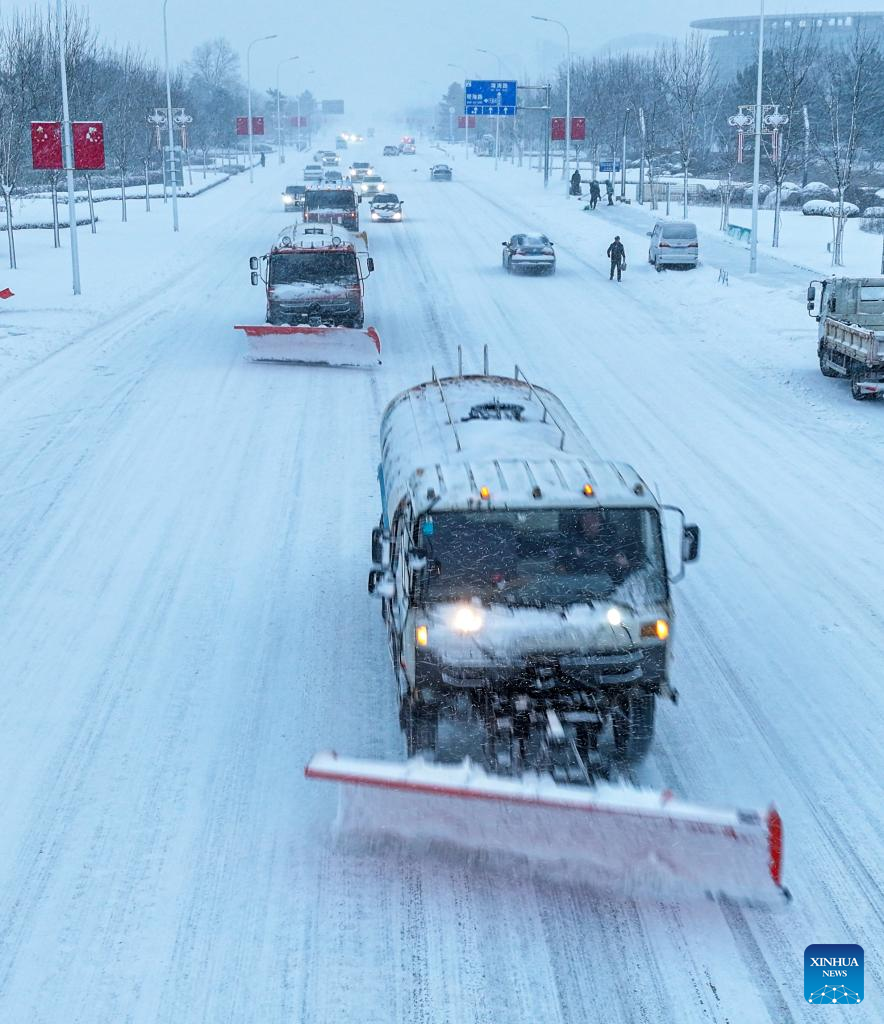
<point x="418" y="722"/>
<point x="825" y="369"/>
<point x="633" y="725"/>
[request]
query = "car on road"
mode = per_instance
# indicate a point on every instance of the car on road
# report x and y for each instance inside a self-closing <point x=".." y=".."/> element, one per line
<point x="391" y="151"/>
<point x="371" y="184"/>
<point x="674" y="244"/>
<point x="386" y="207"/>
<point x="529" y="252"/>
<point x="359" y="169"/>
<point x="332" y="176"/>
<point x="407" y="149"/>
<point x="293" y="197"/>
<point x="331" y="160"/>
<point x="340" y="143"/>
<point x="313" y="172"/>
<point x="440" y="172"/>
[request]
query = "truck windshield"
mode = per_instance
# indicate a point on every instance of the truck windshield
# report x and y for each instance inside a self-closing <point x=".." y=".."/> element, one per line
<point x="313" y="268"/>
<point x="331" y="199"/>
<point x="543" y="558"/>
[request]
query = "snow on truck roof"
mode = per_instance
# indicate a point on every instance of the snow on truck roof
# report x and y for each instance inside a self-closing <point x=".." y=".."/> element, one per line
<point x="494" y="442"/>
<point x="312" y="236"/>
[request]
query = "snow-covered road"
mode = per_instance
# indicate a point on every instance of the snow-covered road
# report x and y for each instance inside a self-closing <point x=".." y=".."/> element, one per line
<point x="183" y="621"/>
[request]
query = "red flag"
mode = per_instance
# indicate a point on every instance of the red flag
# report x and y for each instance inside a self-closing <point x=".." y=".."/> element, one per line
<point x="88" y="145"/>
<point x="463" y="119"/>
<point x="557" y="133"/>
<point x="46" y="146"/>
<point x="242" y="126"/>
<point x="578" y="129"/>
<point x="298" y="122"/>
<point x="257" y="126"/>
<point x="7" y="293"/>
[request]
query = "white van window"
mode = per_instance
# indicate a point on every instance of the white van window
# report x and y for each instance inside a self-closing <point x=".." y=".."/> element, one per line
<point x="686" y="230"/>
<point x="871" y="293"/>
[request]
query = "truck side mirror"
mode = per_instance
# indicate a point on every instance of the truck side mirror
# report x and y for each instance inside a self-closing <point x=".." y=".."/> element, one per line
<point x="256" y="277"/>
<point x="690" y="543"/>
<point x="381" y="584"/>
<point x="380" y="539"/>
<point x="253" y="263"/>
<point x="370" y="264"/>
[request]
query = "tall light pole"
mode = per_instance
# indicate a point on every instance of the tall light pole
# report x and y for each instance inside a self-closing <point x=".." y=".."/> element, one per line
<point x="172" y="169"/>
<point x="466" y="117"/>
<point x="260" y="39"/>
<point x="279" y="143"/>
<point x="68" y="149"/>
<point x="756" y="174"/>
<point x="491" y="53"/>
<point x="566" y="164"/>
<point x="623" y="158"/>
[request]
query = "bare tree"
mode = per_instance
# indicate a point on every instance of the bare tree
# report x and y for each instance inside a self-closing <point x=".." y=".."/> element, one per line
<point x="850" y="88"/>
<point x="687" y="78"/>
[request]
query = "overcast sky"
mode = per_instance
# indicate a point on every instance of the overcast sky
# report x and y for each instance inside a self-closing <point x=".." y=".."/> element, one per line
<point x="378" y="54"/>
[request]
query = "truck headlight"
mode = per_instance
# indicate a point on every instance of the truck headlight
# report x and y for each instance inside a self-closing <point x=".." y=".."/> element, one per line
<point x="467" y="619"/>
<point x="614" y="617"/>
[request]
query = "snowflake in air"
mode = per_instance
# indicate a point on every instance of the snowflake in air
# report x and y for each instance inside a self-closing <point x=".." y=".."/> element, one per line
<point x="834" y="994"/>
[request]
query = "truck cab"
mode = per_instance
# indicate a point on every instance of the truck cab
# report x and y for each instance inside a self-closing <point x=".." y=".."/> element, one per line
<point x="519" y="573"/>
<point x="335" y="204"/>
<point x="313" y="276"/>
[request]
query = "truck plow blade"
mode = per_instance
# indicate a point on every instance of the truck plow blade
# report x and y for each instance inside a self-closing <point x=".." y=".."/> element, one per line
<point x="323" y="346"/>
<point x="610" y="835"/>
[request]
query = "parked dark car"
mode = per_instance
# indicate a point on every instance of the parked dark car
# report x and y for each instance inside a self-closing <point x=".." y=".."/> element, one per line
<point x="529" y="252"/>
<point x="440" y="172"/>
<point x="391" y="151"/>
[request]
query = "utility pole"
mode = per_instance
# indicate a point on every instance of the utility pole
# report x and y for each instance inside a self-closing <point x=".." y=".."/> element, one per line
<point x="172" y="167"/>
<point x="68" y="149"/>
<point x="756" y="174"/>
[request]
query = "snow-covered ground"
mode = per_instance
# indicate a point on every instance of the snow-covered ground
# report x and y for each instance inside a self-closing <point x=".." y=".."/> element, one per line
<point x="184" y="542"/>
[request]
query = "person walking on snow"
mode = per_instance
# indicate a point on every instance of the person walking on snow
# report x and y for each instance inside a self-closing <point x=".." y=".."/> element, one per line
<point x="575" y="184"/>
<point x="594" y="193"/>
<point x="609" y="189"/>
<point x="617" y="256"/>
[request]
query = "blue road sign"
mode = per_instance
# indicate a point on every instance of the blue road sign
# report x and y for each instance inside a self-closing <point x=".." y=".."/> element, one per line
<point x="609" y="166"/>
<point x="489" y="97"/>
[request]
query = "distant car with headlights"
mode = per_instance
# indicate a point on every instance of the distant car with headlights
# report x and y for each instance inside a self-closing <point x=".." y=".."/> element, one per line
<point x="391" y="151"/>
<point x="440" y="172"/>
<point x="359" y="169"/>
<point x="386" y="206"/>
<point x="331" y="160"/>
<point x="529" y="252"/>
<point x="332" y="176"/>
<point x="293" y="197"/>
<point x="371" y="184"/>
<point x="313" y="172"/>
<point x="340" y="143"/>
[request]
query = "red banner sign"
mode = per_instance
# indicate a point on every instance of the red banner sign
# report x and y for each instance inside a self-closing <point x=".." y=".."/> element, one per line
<point x="88" y="145"/>
<point x="578" y="129"/>
<point x="46" y="146"/>
<point x="463" y="119"/>
<point x="298" y="122"/>
<point x="242" y="126"/>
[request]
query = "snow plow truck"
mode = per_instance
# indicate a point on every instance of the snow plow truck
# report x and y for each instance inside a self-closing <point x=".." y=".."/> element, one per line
<point x="314" y="282"/>
<point x="524" y="583"/>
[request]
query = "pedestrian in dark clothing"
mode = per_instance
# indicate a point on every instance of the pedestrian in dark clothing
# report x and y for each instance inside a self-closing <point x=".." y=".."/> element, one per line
<point x="263" y="160"/>
<point x="609" y="189"/>
<point x="594" y="193"/>
<point x="617" y="256"/>
<point x="575" y="184"/>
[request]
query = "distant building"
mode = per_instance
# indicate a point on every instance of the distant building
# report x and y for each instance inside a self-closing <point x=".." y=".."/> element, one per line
<point x="737" y="47"/>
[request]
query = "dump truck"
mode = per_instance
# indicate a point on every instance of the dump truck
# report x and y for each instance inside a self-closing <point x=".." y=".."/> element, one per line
<point x="525" y="586"/>
<point x="314" y="278"/>
<point x="850" y="338"/>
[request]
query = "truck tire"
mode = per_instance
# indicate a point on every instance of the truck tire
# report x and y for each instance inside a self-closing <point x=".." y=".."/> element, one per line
<point x="825" y="370"/>
<point x="418" y="722"/>
<point x="632" y="722"/>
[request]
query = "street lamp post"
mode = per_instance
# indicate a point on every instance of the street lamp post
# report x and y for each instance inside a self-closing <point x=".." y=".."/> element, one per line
<point x="280" y="145"/>
<point x="756" y="174"/>
<point x="260" y="39"/>
<point x="491" y="53"/>
<point x="623" y="158"/>
<point x="172" y="168"/>
<point x="566" y="163"/>
<point x="68" y="154"/>
<point x="466" y="119"/>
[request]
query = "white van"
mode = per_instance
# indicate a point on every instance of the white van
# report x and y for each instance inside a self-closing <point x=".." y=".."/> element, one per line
<point x="674" y="243"/>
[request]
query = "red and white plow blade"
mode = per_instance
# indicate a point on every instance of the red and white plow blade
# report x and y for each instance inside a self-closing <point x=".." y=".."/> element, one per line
<point x="324" y="346"/>
<point x="609" y="834"/>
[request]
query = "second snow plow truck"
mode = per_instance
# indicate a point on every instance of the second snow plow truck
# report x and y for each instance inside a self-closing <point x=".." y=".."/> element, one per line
<point x="525" y="587"/>
<point x="314" y="281"/>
